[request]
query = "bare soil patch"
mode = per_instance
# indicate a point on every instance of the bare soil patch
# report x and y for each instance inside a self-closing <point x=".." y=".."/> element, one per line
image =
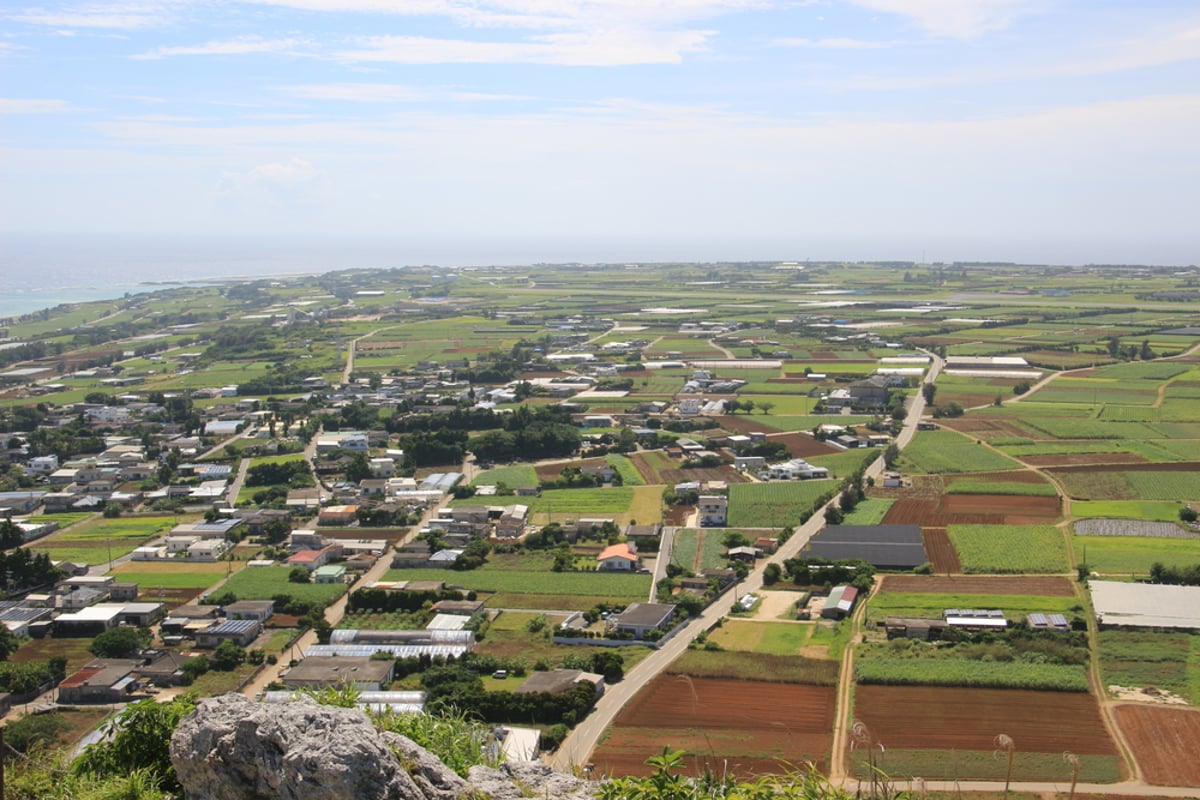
<point x="1044" y="586"/>
<point x="1163" y="741"/>
<point x="942" y="555"/>
<point x="736" y="725"/>
<point x="974" y="509"/>
<point x="977" y="425"/>
<point x="805" y="445"/>
<point x="1170" y="466"/>
<point x="950" y="718"/>
<point x="1011" y="476"/>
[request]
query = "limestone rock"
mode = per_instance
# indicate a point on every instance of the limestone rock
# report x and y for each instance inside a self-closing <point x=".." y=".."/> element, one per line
<point x="232" y="748"/>
<point x="524" y="779"/>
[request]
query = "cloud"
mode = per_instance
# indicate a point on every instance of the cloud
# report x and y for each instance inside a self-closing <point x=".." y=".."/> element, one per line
<point x="290" y="173"/>
<point x="357" y="92"/>
<point x="956" y="19"/>
<point x="597" y="49"/>
<point x="122" y="16"/>
<point x="242" y="45"/>
<point x="29" y="105"/>
<point x="836" y="44"/>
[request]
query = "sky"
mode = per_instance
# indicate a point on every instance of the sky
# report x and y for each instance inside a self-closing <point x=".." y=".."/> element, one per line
<point x="1063" y="131"/>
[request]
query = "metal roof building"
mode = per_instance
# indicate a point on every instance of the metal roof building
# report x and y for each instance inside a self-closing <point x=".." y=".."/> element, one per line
<point x="1145" y="605"/>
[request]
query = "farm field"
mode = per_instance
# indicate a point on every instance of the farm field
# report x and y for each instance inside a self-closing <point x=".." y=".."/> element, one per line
<point x="721" y="724"/>
<point x="1133" y="555"/>
<point x="940" y="552"/>
<point x="761" y="667"/>
<point x="1028" y="585"/>
<point x="876" y="667"/>
<point x="1010" y="548"/>
<point x="777" y="504"/>
<point x="916" y="604"/>
<point x="1158" y="511"/>
<point x="513" y="477"/>
<point x="102" y="540"/>
<point x="1141" y="659"/>
<point x="937" y="452"/>
<point x="777" y="638"/>
<point x="966" y="721"/>
<point x="869" y="511"/>
<point x="1163" y="741"/>
<point x="697" y="549"/>
<point x="264" y="583"/>
<point x="973" y="509"/>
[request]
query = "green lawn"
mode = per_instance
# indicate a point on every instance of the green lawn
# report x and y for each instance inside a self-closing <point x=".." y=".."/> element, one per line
<point x="778" y="638"/>
<point x="513" y="477"/>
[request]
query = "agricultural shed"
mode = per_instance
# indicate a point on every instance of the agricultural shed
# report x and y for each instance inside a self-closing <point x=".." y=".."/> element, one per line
<point x="882" y="546"/>
<point x="239" y="631"/>
<point x="975" y="618"/>
<point x="914" y="628"/>
<point x="641" y="618"/>
<point x="315" y="672"/>
<point x="1145" y="605"/>
<point x="840" y="602"/>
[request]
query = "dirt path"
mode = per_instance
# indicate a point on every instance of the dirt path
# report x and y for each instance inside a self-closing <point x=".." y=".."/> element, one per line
<point x="842" y="721"/>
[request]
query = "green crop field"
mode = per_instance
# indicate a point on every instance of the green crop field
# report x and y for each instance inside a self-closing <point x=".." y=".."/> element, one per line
<point x="870" y="511"/>
<point x="935" y="452"/>
<point x="958" y="764"/>
<point x="1125" y="509"/>
<point x="1001" y="487"/>
<point x="776" y="504"/>
<point x="757" y="666"/>
<point x="1165" y="485"/>
<point x="842" y="465"/>
<point x="1075" y="428"/>
<point x="265" y="583"/>
<point x="1097" y="485"/>
<point x="1133" y="555"/>
<point x="869" y="668"/>
<point x="625" y="468"/>
<point x="1010" y="548"/>
<point x="513" y="477"/>
<point x="697" y="549"/>
<point x="181" y="579"/>
<point x="599" y="502"/>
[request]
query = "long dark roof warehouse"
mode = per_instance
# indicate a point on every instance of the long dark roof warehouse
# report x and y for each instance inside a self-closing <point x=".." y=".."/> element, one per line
<point x="882" y="546"/>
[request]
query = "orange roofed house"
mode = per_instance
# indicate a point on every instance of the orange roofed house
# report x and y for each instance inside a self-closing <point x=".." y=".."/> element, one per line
<point x="618" y="557"/>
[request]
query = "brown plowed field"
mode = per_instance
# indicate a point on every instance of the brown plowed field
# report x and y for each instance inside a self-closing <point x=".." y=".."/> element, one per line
<point x="948" y="718"/>
<point x="1071" y="459"/>
<point x="744" y="425"/>
<point x="747" y="727"/>
<point x="974" y="509"/>
<point x="1165" y="742"/>
<point x="1043" y="586"/>
<point x="942" y="556"/>
<point x="804" y="445"/>
<point x="975" y="425"/>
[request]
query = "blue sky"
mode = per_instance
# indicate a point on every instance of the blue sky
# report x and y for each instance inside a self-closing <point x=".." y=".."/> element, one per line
<point x="1056" y="130"/>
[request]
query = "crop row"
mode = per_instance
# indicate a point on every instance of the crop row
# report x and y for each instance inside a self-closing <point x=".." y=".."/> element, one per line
<point x="976" y="674"/>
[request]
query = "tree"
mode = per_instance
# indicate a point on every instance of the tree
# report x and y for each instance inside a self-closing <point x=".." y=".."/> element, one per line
<point x="120" y="642"/>
<point x="929" y="391"/>
<point x="299" y="575"/>
<point x="765" y="406"/>
<point x="139" y="738"/>
<point x="8" y="643"/>
<point x="1022" y="387"/>
<point x="772" y="573"/>
<point x="1188" y="514"/>
<point x="227" y="657"/>
<point x="833" y="515"/>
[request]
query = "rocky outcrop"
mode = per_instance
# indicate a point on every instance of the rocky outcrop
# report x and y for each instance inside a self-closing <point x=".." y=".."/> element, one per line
<point x="232" y="748"/>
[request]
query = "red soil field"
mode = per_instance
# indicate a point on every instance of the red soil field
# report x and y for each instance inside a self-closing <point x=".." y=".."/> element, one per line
<point x="748" y="728"/>
<point x="1043" y="586"/>
<point x="942" y="556"/>
<point x="967" y="425"/>
<point x="1164" y="741"/>
<point x="974" y="509"/>
<point x="745" y="424"/>
<point x="804" y="446"/>
<point x="945" y="718"/>
<point x="670" y="477"/>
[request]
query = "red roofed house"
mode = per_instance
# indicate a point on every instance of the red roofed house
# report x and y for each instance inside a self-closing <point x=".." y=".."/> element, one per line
<point x="314" y="559"/>
<point x="618" y="557"/>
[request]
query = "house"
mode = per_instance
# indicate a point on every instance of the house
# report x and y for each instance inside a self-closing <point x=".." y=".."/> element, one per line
<point x="620" y="557"/>
<point x="557" y="681"/>
<point x="640" y="619"/>
<point x="382" y="467"/>
<point x="883" y="546"/>
<point x="749" y="463"/>
<point x="646" y="538"/>
<point x="312" y="559"/>
<point x="714" y="510"/>
<point x="362" y="672"/>
<point x="330" y="573"/>
<point x="104" y="680"/>
<point x="241" y="632"/>
<point x="795" y="468"/>
<point x="338" y="515"/>
<point x="260" y="610"/>
<point x="746" y="554"/>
